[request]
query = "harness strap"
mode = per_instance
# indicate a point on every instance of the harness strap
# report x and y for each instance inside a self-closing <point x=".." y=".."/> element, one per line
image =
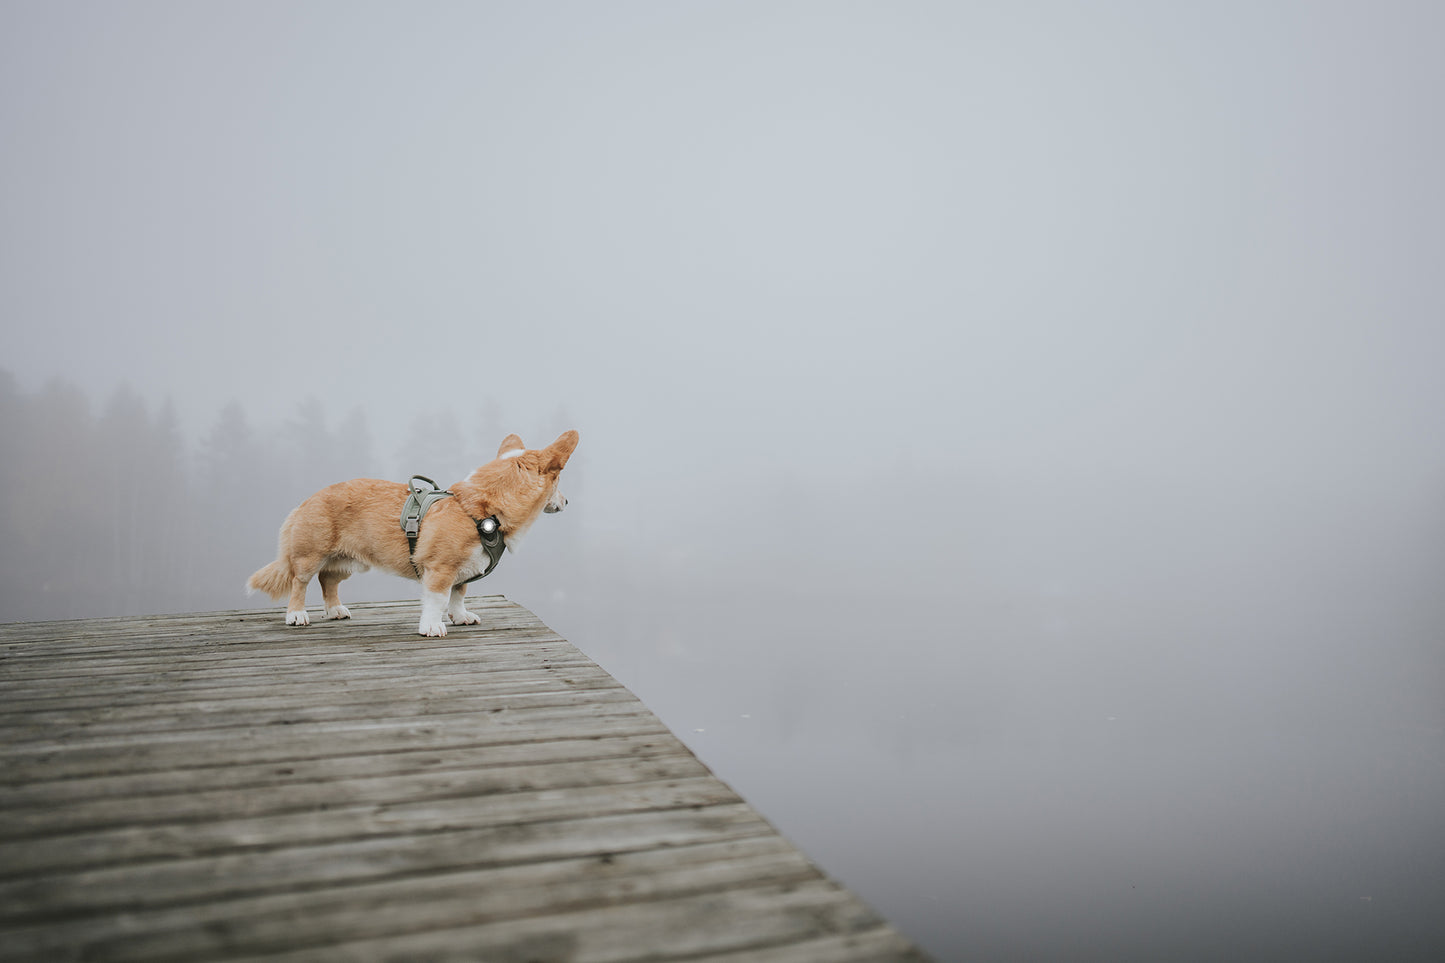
<point x="419" y="500"/>
<point x="489" y="530"/>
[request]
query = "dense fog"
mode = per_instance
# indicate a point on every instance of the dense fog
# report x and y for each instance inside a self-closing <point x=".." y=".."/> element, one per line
<point x="1012" y="448"/>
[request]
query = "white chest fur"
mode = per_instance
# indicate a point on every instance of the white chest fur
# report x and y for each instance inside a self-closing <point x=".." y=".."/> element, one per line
<point x="475" y="565"/>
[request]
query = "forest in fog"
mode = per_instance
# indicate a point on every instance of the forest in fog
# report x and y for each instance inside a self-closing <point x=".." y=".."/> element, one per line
<point x="110" y="510"/>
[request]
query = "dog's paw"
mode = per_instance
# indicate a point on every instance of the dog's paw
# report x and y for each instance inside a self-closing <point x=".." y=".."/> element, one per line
<point x="298" y="618"/>
<point x="464" y="618"/>
<point x="432" y="630"/>
<point x="338" y="612"/>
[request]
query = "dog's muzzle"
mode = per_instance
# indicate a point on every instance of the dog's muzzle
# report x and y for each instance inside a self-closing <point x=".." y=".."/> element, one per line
<point x="555" y="504"/>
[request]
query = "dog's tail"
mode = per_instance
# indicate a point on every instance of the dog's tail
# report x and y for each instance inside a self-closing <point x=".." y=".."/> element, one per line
<point x="274" y="579"/>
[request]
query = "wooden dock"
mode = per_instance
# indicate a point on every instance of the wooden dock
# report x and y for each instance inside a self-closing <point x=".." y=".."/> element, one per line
<point x="222" y="787"/>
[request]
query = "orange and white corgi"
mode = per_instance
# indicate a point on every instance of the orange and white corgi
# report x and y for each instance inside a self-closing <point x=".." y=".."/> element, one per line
<point x="356" y="525"/>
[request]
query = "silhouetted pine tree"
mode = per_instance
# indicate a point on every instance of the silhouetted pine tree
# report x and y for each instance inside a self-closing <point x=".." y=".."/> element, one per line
<point x="13" y="577"/>
<point x="241" y="497"/>
<point x="52" y="506"/>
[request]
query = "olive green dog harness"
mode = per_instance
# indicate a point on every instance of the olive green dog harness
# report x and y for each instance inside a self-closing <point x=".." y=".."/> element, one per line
<point x="419" y="499"/>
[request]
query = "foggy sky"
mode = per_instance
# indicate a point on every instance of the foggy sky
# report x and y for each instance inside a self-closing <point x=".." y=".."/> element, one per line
<point x="1029" y="236"/>
<point x="1026" y="362"/>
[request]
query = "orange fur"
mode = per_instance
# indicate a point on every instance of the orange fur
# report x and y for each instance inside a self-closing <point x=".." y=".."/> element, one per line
<point x="355" y="525"/>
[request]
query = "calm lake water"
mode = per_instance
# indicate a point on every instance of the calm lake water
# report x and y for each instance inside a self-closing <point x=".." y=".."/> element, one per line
<point x="1027" y="775"/>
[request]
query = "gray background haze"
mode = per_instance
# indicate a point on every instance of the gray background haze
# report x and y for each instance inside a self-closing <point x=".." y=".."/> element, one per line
<point x="1012" y="449"/>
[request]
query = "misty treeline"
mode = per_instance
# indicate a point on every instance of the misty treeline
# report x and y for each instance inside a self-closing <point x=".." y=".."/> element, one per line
<point x="110" y="510"/>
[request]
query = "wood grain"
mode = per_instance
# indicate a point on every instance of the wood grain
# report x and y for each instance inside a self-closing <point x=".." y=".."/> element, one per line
<point x="218" y="786"/>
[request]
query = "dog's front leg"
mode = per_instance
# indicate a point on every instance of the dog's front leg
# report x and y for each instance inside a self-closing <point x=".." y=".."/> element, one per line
<point x="457" y="607"/>
<point x="433" y="614"/>
<point x="435" y="597"/>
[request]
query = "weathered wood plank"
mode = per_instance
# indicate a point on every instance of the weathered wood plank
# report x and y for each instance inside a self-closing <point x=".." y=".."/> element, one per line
<point x="28" y="864"/>
<point x="222" y="786"/>
<point x="676" y="928"/>
<point x="67" y="791"/>
<point x="230" y="661"/>
<point x="236" y="681"/>
<point x="273" y="709"/>
<point x="81" y="694"/>
<point x="280" y="922"/>
<point x="300" y="872"/>
<point x="281" y="744"/>
<point x="882" y="945"/>
<point x="95" y="814"/>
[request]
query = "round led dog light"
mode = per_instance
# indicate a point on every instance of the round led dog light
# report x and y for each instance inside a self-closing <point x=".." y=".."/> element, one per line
<point x="489" y="525"/>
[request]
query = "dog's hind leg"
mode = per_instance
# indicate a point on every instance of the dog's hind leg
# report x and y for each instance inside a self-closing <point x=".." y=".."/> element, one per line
<point x="330" y="579"/>
<point x="302" y="570"/>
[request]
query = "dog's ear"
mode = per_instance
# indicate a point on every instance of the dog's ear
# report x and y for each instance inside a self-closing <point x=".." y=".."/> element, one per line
<point x="510" y="443"/>
<point x="556" y="454"/>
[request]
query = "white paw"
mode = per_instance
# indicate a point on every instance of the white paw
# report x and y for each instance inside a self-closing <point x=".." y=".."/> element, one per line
<point x="338" y="612"/>
<point x="298" y="618"/>
<point x="433" y="630"/>
<point x="464" y="617"/>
